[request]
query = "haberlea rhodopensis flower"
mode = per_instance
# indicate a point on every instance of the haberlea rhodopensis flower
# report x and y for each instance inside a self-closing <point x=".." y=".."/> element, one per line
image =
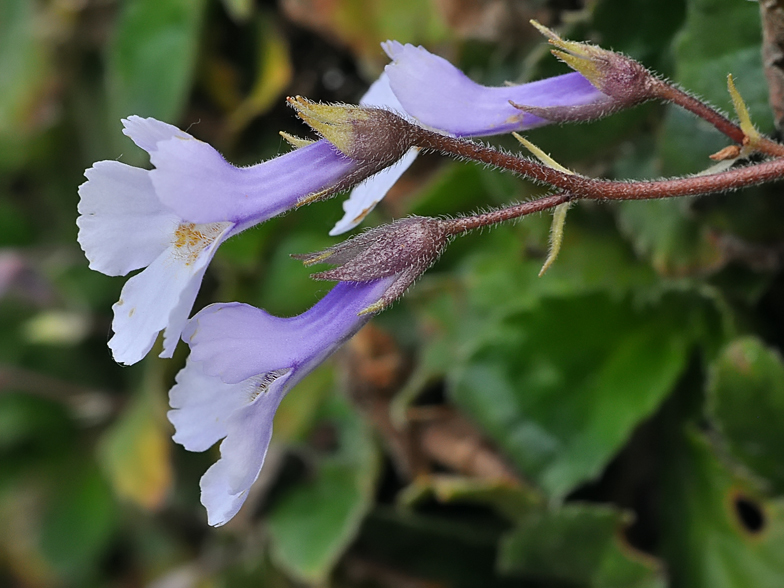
<point x="170" y="220"/>
<point x="243" y="361"/>
<point x="429" y="90"/>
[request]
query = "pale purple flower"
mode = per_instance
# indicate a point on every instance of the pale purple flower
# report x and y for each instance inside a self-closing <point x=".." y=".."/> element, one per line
<point x="441" y="97"/>
<point x="430" y="91"/>
<point x="243" y="361"/>
<point x="170" y="220"/>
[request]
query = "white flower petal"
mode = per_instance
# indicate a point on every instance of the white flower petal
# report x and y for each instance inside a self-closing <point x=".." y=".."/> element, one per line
<point x="224" y="487"/>
<point x="148" y="132"/>
<point x="202" y="404"/>
<point x="158" y="297"/>
<point x="364" y="198"/>
<point x="380" y="94"/>
<point x="123" y="226"/>
<point x="368" y="194"/>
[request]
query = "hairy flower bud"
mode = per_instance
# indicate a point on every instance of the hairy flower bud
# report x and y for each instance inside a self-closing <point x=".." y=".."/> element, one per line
<point x="405" y="249"/>
<point x="623" y="80"/>
<point x="361" y="133"/>
<point x="374" y="137"/>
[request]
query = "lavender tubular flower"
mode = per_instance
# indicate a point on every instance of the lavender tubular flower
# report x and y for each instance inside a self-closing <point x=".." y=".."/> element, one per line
<point x="442" y="97"/>
<point x="172" y="219"/>
<point x="433" y="92"/>
<point x="243" y="362"/>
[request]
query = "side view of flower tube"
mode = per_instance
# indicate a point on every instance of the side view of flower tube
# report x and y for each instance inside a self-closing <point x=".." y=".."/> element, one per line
<point x="243" y="361"/>
<point x="171" y="220"/>
<point x="430" y="91"/>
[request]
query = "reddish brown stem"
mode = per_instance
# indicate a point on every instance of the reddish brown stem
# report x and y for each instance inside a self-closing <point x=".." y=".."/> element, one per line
<point x="581" y="187"/>
<point x="469" y="223"/>
<point x="664" y="91"/>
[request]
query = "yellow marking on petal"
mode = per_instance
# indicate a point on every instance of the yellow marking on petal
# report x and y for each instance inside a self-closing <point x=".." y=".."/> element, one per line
<point x="541" y="155"/>
<point x="190" y="239"/>
<point x="295" y="141"/>
<point x="752" y="135"/>
<point x="361" y="216"/>
<point x="556" y="235"/>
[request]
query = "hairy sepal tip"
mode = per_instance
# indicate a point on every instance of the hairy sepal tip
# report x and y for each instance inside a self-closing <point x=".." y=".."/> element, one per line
<point x="621" y="78"/>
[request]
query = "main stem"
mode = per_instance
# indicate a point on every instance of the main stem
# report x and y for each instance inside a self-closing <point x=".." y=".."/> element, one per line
<point x="585" y="188"/>
<point x="664" y="91"/>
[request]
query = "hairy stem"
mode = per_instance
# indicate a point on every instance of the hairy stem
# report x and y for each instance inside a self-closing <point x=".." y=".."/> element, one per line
<point x="581" y="187"/>
<point x="664" y="91"/>
<point x="469" y="223"/>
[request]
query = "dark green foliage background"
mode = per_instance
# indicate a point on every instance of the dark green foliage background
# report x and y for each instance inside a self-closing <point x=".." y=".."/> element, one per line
<point x="637" y="389"/>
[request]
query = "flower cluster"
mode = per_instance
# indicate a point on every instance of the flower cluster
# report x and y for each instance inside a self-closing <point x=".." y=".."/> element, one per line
<point x="170" y="220"/>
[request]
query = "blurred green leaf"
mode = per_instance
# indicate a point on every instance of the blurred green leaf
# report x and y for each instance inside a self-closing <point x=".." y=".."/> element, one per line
<point x="299" y="411"/>
<point x="364" y="24"/>
<point x="581" y="544"/>
<point x="28" y="419"/>
<point x="79" y="522"/>
<point x="719" y="37"/>
<point x="438" y="549"/>
<point x="135" y="453"/>
<point x="561" y="387"/>
<point x="512" y="500"/>
<point x="746" y="402"/>
<point x="313" y="523"/>
<point x="239" y="10"/>
<point x="25" y="80"/>
<point x="287" y="288"/>
<point x="274" y="73"/>
<point x="152" y="56"/>
<point x="717" y="531"/>
<point x="665" y="232"/>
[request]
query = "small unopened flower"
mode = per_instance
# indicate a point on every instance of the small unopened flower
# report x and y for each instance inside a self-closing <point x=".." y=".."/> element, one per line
<point x="243" y="361"/>
<point x="170" y="220"/>
<point x="434" y="93"/>
<point x="402" y="250"/>
<point x="625" y="81"/>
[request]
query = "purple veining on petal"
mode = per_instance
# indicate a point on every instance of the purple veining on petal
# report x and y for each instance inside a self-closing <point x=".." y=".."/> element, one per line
<point x="442" y="97"/>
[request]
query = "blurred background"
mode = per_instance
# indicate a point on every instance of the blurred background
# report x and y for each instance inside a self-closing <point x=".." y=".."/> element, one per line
<point x="617" y="423"/>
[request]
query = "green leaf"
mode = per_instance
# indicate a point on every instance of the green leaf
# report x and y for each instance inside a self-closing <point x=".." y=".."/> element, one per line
<point x="719" y="37"/>
<point x="561" y="387"/>
<point x="152" y="56"/>
<point x="79" y="521"/>
<point x="665" y="232"/>
<point x="313" y="523"/>
<point x="274" y="73"/>
<point x="25" y="81"/>
<point x="746" y="402"/>
<point x="136" y="453"/>
<point x="578" y="543"/>
<point x="717" y="531"/>
<point x="512" y="500"/>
